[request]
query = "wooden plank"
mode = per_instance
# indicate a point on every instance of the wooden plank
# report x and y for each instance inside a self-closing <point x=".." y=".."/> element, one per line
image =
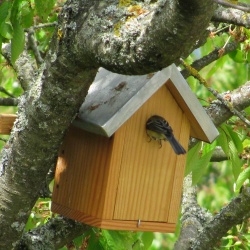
<point x="114" y="172"/>
<point x="6" y="123"/>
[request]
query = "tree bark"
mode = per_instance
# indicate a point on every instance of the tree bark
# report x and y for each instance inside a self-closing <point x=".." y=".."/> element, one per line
<point x="90" y="34"/>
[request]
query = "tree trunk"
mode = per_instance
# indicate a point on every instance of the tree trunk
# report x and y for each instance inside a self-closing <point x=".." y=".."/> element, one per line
<point x="90" y="34"/>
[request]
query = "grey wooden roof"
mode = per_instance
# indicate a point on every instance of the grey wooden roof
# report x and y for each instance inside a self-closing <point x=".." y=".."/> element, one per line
<point x="113" y="98"/>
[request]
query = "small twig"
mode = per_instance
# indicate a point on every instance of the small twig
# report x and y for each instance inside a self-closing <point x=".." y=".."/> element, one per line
<point x="8" y="101"/>
<point x="211" y="57"/>
<point x="42" y="26"/>
<point x="33" y="46"/>
<point x="3" y="90"/>
<point x="239" y="6"/>
<point x="45" y="25"/>
<point x="32" y="40"/>
<point x="224" y="101"/>
<point x="4" y="140"/>
<point x="229" y="106"/>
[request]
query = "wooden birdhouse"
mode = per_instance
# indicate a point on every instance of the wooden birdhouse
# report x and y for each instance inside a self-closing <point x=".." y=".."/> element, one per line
<point x="108" y="174"/>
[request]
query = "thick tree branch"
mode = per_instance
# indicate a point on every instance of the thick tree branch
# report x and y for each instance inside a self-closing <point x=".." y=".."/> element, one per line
<point x="193" y="216"/>
<point x="240" y="6"/>
<point x="231" y="16"/>
<point x="234" y="213"/>
<point x="24" y="67"/>
<point x="141" y="41"/>
<point x="239" y="99"/>
<point x="56" y="233"/>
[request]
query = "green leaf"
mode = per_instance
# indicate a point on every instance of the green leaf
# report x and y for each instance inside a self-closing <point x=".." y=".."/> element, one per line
<point x="246" y="143"/>
<point x="235" y="138"/>
<point x="1" y="41"/>
<point x="121" y="240"/>
<point x="247" y="32"/>
<point x="237" y="56"/>
<point x="233" y="146"/>
<point x="25" y="14"/>
<point x="218" y="64"/>
<point x="200" y="166"/>
<point x="222" y="140"/>
<point x="44" y="8"/>
<point x="243" y="176"/>
<point x="6" y="30"/>
<point x="197" y="160"/>
<point x="235" y="160"/>
<point x="192" y="156"/>
<point x="4" y="11"/>
<point x="147" y="239"/>
<point x="17" y="43"/>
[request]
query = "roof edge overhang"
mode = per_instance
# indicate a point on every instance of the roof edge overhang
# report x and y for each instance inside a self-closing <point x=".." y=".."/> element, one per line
<point x="202" y="127"/>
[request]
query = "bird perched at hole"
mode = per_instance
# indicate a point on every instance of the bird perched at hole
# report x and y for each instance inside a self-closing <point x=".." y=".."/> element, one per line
<point x="158" y="129"/>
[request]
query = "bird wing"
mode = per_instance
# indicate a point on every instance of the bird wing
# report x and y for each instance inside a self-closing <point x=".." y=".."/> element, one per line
<point x="160" y="126"/>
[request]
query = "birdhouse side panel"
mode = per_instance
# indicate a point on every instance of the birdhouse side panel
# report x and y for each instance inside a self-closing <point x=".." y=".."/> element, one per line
<point x="82" y="173"/>
<point x="148" y="170"/>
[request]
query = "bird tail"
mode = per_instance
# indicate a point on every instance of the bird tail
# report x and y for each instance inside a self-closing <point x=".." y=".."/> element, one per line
<point x="178" y="149"/>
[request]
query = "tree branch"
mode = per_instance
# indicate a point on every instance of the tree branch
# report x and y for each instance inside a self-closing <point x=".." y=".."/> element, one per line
<point x="8" y="101"/>
<point x="240" y="6"/>
<point x="211" y="57"/>
<point x="231" y="16"/>
<point x="239" y="99"/>
<point x="193" y="216"/>
<point x="56" y="233"/>
<point x="224" y="99"/>
<point x="234" y="213"/>
<point x="3" y="90"/>
<point x="149" y="41"/>
<point x="25" y="69"/>
<point x="33" y="46"/>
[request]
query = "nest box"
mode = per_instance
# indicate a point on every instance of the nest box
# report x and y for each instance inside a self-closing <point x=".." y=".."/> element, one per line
<point x="108" y="174"/>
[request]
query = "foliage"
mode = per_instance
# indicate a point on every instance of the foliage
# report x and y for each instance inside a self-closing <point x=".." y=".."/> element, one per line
<point x="107" y="239"/>
<point x="217" y="182"/>
<point x="18" y="15"/>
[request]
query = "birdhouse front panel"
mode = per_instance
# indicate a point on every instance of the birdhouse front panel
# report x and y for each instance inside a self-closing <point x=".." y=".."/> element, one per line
<point x="151" y="176"/>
